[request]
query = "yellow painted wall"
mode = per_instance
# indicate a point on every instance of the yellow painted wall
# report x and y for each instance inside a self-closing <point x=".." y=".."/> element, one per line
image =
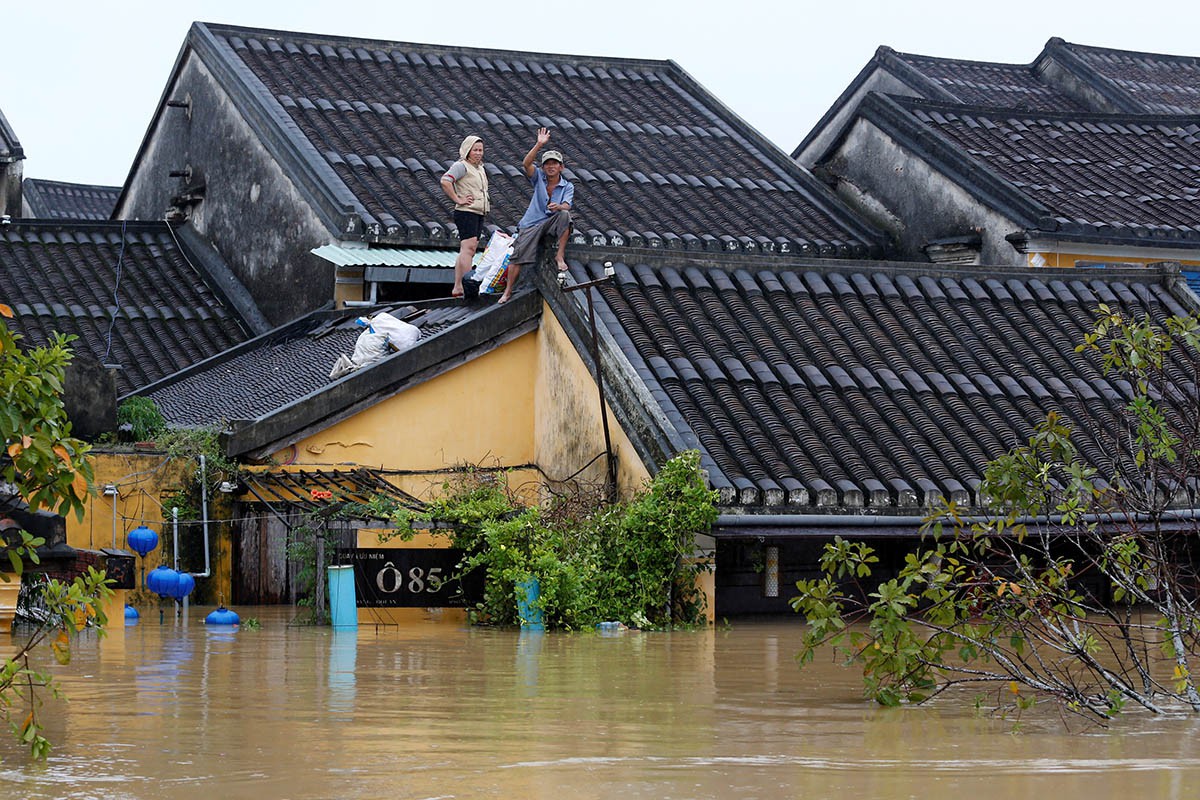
<point x="479" y="413"/>
<point x="143" y="480"/>
<point x="1060" y="259"/>
<point x="568" y="431"/>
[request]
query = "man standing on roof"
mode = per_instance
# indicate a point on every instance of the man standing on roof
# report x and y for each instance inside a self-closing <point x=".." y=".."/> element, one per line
<point x="549" y="212"/>
<point x="466" y="184"/>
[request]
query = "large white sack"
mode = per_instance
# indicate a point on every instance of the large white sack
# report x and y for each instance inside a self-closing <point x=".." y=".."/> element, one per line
<point x="370" y="347"/>
<point x="400" y="334"/>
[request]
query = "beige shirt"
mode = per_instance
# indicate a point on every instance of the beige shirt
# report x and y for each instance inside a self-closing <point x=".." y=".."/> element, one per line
<point x="473" y="180"/>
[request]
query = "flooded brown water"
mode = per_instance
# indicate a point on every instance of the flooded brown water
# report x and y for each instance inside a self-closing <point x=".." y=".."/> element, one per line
<point x="182" y="711"/>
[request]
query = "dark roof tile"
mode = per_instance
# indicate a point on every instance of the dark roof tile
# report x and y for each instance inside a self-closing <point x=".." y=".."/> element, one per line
<point x="56" y="200"/>
<point x="1116" y="180"/>
<point x="658" y="123"/>
<point x="64" y="277"/>
<point x="874" y="384"/>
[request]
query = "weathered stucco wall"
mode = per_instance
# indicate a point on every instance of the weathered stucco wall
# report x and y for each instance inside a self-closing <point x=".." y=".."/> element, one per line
<point x="878" y="81"/>
<point x="930" y="205"/>
<point x="568" y="431"/>
<point x="11" y="203"/>
<point x="256" y="216"/>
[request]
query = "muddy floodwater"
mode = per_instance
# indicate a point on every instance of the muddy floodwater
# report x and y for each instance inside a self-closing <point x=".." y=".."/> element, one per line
<point x="183" y="711"/>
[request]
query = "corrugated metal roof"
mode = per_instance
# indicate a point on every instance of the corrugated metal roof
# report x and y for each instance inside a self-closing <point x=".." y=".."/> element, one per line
<point x="385" y="256"/>
<point x="1193" y="281"/>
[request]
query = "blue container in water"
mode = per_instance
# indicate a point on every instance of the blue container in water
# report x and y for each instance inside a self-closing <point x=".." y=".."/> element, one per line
<point x="131" y="615"/>
<point x="222" y="616"/>
<point x="343" y="608"/>
<point x="528" y="594"/>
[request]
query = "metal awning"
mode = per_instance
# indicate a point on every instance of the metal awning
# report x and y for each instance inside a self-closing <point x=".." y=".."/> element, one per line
<point x="307" y="490"/>
<point x="392" y="264"/>
<point x="348" y="256"/>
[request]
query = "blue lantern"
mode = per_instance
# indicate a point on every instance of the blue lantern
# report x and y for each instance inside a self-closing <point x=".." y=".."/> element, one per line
<point x="183" y="586"/>
<point x="142" y="540"/>
<point x="163" y="581"/>
<point x="222" y="616"/>
<point x="131" y="614"/>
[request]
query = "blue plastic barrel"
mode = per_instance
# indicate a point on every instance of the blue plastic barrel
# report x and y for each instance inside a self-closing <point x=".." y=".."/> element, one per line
<point x="343" y="609"/>
<point x="528" y="594"/>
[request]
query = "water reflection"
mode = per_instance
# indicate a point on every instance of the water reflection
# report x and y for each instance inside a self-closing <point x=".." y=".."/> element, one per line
<point x="343" y="654"/>
<point x="441" y="711"/>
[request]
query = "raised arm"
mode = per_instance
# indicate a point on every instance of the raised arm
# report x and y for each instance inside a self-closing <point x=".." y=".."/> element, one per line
<point x="543" y="136"/>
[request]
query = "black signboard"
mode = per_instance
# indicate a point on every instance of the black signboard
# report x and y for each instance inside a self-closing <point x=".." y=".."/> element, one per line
<point x="411" y="578"/>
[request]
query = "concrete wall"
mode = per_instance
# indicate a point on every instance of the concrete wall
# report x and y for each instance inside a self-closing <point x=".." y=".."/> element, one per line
<point x="912" y="201"/>
<point x="10" y="188"/>
<point x="255" y="215"/>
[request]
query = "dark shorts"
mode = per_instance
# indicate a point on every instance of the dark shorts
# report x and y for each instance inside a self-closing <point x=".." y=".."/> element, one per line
<point x="469" y="224"/>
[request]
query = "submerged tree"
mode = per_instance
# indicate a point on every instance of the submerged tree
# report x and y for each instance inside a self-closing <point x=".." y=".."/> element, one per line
<point x="42" y="466"/>
<point x="1079" y="585"/>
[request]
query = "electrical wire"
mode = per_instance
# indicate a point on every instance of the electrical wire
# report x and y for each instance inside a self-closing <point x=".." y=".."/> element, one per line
<point x="112" y="323"/>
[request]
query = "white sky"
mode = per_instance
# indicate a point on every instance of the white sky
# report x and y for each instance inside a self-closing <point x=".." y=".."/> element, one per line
<point x="80" y="79"/>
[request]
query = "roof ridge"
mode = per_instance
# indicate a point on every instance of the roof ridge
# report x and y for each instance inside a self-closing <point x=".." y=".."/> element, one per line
<point x="1075" y="46"/>
<point x="1172" y="120"/>
<point x="431" y="47"/>
<point x="948" y="60"/>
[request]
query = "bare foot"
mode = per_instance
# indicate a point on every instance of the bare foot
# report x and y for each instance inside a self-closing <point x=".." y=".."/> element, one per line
<point x="504" y="298"/>
<point x="457" y="291"/>
<point x="562" y="265"/>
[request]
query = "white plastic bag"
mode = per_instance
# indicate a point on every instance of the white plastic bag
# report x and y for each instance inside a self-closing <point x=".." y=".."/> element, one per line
<point x="343" y="366"/>
<point x="370" y="347"/>
<point x="493" y="267"/>
<point x="401" y="335"/>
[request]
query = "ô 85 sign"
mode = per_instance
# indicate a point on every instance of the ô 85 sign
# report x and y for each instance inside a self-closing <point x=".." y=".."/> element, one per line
<point x="410" y="578"/>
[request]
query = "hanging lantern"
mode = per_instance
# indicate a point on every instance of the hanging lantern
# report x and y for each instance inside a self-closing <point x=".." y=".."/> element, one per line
<point x="142" y="540"/>
<point x="183" y="587"/>
<point x="222" y="616"/>
<point x="163" y="581"/>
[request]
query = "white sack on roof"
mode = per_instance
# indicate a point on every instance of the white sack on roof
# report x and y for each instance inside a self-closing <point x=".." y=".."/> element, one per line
<point x="369" y="347"/>
<point x="400" y="334"/>
<point x="343" y="366"/>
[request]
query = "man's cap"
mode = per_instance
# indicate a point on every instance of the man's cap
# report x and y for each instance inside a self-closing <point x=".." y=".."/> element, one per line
<point x="552" y="155"/>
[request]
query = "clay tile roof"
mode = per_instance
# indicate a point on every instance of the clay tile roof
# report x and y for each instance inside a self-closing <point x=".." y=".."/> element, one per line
<point x="865" y="394"/>
<point x="1094" y="174"/>
<point x="1156" y="83"/>
<point x="278" y="368"/>
<point x="988" y="84"/>
<point x="68" y="201"/>
<point x="608" y="115"/>
<point x="70" y="277"/>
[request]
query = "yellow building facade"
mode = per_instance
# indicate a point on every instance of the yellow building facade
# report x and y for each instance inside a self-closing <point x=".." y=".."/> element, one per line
<point x="528" y="407"/>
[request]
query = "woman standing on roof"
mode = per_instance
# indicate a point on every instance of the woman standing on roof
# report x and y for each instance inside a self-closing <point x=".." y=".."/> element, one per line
<point x="466" y="184"/>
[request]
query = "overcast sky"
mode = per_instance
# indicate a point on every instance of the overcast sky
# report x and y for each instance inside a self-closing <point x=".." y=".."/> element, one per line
<point x="80" y="80"/>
